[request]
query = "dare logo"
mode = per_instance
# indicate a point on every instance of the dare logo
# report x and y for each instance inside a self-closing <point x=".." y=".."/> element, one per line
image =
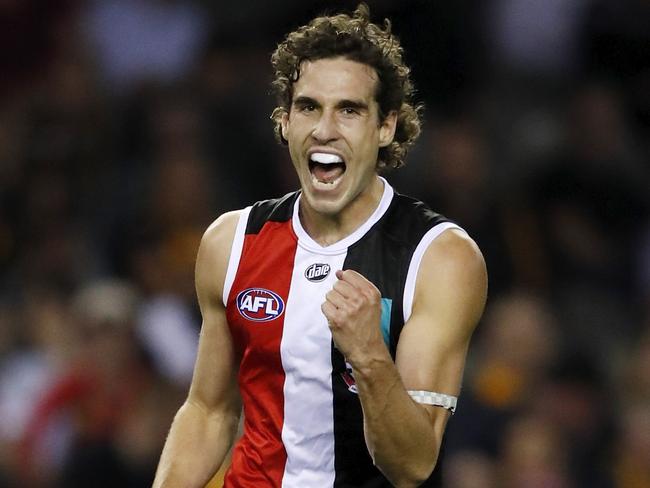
<point x="317" y="272"/>
<point x="259" y="304"/>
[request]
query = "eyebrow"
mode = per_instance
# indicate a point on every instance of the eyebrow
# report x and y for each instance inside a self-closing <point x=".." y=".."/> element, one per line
<point x="302" y="101"/>
<point x="355" y="104"/>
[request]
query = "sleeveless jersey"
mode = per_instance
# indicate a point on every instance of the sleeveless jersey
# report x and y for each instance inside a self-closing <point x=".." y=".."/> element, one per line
<point x="303" y="423"/>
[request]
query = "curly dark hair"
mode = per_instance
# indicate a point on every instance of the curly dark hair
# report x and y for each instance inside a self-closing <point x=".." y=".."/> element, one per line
<point x="355" y="38"/>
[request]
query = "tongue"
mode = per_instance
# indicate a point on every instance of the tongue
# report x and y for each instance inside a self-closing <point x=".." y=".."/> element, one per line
<point x="327" y="173"/>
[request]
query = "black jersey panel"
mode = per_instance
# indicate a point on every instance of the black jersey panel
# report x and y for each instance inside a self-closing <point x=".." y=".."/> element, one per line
<point x="383" y="256"/>
<point x="275" y="210"/>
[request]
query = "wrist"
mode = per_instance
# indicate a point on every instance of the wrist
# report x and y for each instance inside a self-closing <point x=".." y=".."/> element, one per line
<point x="368" y="364"/>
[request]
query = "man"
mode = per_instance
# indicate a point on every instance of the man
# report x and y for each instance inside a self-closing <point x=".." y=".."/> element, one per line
<point x="338" y="316"/>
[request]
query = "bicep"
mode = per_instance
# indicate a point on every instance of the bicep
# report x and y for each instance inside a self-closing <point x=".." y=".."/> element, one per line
<point x="214" y="383"/>
<point x="448" y="302"/>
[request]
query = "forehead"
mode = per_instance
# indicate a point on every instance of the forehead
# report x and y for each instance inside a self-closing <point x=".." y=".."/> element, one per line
<point x="336" y="79"/>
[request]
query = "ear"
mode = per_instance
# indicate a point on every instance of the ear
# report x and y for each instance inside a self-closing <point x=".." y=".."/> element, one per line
<point x="284" y="123"/>
<point x="387" y="129"/>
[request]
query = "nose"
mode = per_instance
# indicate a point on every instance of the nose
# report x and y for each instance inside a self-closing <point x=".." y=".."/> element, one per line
<point x="325" y="129"/>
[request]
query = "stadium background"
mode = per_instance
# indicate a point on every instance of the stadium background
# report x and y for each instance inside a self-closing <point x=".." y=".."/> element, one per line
<point x="127" y="126"/>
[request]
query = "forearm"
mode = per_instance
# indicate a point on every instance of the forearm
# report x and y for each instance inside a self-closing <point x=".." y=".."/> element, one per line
<point x="197" y="444"/>
<point x="402" y="439"/>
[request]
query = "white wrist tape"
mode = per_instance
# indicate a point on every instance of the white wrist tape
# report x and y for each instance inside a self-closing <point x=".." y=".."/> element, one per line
<point x="436" y="399"/>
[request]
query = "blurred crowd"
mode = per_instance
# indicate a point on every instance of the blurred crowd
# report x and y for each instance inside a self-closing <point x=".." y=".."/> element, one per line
<point x="127" y="126"/>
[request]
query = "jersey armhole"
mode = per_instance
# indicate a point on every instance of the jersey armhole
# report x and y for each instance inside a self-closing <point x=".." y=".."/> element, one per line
<point x="235" y="253"/>
<point x="416" y="260"/>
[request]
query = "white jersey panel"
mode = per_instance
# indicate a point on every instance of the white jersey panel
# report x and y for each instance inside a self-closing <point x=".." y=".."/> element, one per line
<point x="416" y="260"/>
<point x="308" y="430"/>
<point x="235" y="253"/>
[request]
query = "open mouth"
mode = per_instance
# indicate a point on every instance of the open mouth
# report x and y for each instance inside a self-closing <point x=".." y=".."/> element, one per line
<point x="326" y="168"/>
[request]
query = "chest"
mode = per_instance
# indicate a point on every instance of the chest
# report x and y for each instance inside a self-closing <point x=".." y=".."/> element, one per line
<point x="275" y="301"/>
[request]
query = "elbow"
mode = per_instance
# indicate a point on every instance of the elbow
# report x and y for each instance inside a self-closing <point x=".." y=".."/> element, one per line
<point x="412" y="474"/>
<point x="422" y="475"/>
<point x="413" y="478"/>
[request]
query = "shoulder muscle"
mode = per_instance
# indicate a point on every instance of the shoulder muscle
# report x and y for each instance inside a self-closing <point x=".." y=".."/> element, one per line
<point x="452" y="279"/>
<point x="213" y="257"/>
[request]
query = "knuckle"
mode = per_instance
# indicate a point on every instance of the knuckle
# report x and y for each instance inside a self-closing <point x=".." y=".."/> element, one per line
<point x="356" y="304"/>
<point x="374" y="296"/>
<point x="363" y="297"/>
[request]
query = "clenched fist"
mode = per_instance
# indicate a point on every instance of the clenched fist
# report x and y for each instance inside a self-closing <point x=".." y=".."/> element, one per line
<point x="353" y="310"/>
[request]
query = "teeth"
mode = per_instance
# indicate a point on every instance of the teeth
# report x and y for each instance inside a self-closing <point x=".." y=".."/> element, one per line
<point x="325" y="158"/>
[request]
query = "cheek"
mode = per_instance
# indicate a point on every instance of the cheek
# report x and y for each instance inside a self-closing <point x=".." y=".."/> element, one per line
<point x="369" y="135"/>
<point x="295" y="132"/>
<point x="368" y="144"/>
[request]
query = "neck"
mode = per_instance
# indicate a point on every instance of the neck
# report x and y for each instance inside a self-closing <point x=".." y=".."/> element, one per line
<point x="327" y="229"/>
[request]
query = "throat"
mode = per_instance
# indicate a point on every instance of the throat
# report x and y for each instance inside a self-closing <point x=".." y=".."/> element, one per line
<point x="325" y="230"/>
<point x="328" y="224"/>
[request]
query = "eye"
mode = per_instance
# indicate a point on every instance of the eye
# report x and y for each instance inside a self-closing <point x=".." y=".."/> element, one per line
<point x="350" y="111"/>
<point x="307" y="108"/>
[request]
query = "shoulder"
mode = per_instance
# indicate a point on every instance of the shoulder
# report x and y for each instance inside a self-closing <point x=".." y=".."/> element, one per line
<point x="455" y="252"/>
<point x="452" y="279"/>
<point x="214" y="252"/>
<point x="219" y="235"/>
<point x="453" y="258"/>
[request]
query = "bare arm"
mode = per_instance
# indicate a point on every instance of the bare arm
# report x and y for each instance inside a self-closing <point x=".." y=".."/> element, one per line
<point x="404" y="437"/>
<point x="205" y="425"/>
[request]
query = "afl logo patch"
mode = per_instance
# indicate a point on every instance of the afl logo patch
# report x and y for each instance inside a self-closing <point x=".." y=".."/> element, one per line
<point x="259" y="304"/>
<point x="317" y="272"/>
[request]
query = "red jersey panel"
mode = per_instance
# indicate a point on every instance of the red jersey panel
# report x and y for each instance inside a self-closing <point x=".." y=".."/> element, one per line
<point x="255" y="314"/>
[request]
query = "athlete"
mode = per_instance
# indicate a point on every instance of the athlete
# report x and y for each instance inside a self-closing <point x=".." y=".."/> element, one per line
<point x="340" y="315"/>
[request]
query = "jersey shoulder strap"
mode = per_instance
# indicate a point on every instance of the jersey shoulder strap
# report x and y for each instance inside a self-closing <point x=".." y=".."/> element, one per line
<point x="274" y="210"/>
